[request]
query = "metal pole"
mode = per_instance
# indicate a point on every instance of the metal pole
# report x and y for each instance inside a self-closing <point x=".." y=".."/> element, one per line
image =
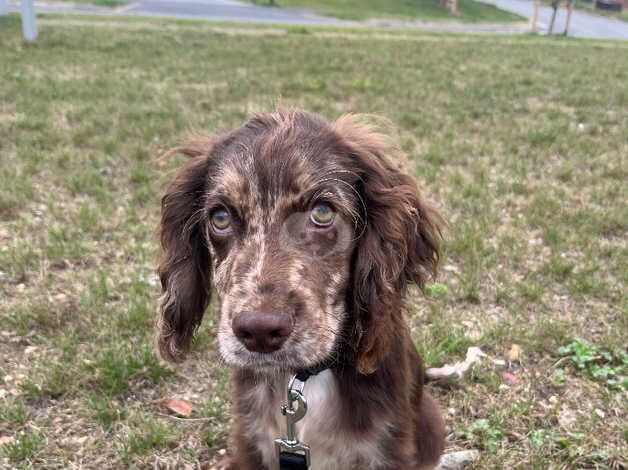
<point x="29" y="28"/>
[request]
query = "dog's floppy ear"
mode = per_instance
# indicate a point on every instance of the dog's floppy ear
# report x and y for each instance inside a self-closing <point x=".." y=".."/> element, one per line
<point x="184" y="269"/>
<point x="399" y="244"/>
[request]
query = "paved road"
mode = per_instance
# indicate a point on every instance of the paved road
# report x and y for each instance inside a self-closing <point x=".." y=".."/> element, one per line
<point x="583" y="25"/>
<point x="227" y="10"/>
<point x="217" y="10"/>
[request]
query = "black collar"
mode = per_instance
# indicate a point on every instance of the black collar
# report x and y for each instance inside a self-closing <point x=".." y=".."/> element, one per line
<point x="304" y="374"/>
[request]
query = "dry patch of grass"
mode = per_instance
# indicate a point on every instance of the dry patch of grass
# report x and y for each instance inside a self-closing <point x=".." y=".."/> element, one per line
<point x="525" y="155"/>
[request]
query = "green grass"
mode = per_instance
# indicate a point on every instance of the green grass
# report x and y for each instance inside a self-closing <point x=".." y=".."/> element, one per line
<point x="427" y="10"/>
<point x="100" y="3"/>
<point x="147" y="436"/>
<point x="24" y="447"/>
<point x="526" y="158"/>
<point x="609" y="367"/>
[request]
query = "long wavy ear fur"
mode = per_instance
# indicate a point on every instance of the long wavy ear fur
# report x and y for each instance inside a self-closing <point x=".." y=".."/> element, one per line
<point x="184" y="269"/>
<point x="400" y="244"/>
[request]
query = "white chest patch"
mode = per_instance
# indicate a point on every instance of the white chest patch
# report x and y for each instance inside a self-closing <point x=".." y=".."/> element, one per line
<point x="332" y="446"/>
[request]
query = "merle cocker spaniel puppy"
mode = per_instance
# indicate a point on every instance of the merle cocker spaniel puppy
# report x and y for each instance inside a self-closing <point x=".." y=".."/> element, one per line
<point x="309" y="235"/>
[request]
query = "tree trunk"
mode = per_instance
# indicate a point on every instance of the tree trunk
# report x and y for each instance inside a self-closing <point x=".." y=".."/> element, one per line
<point x="450" y="5"/>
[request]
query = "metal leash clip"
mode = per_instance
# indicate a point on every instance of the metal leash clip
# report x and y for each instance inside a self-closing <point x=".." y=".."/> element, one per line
<point x="290" y="452"/>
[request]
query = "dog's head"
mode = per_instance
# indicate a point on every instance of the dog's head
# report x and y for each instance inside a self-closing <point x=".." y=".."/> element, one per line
<point x="309" y="235"/>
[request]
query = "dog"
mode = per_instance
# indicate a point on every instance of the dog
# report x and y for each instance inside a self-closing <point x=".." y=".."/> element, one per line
<point x="309" y="235"/>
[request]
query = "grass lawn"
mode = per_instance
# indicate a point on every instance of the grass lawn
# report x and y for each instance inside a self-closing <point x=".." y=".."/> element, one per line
<point x="101" y="3"/>
<point x="427" y="10"/>
<point x="521" y="141"/>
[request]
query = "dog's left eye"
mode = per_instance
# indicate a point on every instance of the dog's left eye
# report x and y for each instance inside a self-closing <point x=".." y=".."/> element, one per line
<point x="221" y="219"/>
<point x="322" y="215"/>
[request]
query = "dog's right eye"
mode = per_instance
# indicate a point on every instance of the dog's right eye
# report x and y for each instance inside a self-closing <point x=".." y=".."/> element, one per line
<point x="221" y="219"/>
<point x="322" y="215"/>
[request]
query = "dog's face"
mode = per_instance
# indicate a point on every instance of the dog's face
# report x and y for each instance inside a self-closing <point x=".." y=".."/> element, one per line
<point x="304" y="229"/>
<point x="282" y="212"/>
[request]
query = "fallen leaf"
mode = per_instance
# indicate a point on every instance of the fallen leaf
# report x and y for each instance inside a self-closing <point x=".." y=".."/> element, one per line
<point x="515" y="353"/>
<point x="80" y="440"/>
<point x="179" y="407"/>
<point x="510" y="378"/>
<point x="567" y="419"/>
<point x="6" y="440"/>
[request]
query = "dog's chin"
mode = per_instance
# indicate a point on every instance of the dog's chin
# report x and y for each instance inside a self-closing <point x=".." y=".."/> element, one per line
<point x="284" y="360"/>
<point x="279" y="361"/>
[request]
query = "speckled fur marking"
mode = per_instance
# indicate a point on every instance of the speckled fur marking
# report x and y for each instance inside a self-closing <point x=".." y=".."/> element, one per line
<point x="343" y="287"/>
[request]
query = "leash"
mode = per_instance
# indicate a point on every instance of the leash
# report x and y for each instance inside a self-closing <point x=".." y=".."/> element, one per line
<point x="291" y="453"/>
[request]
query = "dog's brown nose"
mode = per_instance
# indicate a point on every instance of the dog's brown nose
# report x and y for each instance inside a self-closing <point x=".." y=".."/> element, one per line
<point x="262" y="331"/>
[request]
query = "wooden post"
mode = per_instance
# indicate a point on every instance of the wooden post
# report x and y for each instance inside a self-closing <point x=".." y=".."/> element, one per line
<point x="29" y="28"/>
<point x="569" y="10"/>
<point x="551" y="25"/>
<point x="535" y="17"/>
<point x="450" y="5"/>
